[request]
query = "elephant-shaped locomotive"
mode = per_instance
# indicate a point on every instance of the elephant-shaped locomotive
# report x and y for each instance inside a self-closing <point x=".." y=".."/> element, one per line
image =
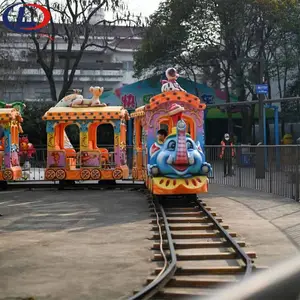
<point x="178" y="157"/>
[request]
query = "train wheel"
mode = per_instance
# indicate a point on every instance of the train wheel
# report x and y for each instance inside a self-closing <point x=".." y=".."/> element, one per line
<point x="95" y="174"/>
<point x="60" y="174"/>
<point x="8" y="175"/>
<point x="117" y="174"/>
<point x="85" y="174"/>
<point x="50" y="174"/>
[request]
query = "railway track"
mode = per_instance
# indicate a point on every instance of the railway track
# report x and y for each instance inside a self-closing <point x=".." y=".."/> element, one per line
<point x="195" y="254"/>
<point x="103" y="185"/>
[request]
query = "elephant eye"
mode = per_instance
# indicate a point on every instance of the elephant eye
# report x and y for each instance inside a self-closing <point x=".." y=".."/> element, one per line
<point x="171" y="145"/>
<point x="189" y="145"/>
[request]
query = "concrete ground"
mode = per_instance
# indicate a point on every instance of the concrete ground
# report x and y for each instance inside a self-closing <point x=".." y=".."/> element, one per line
<point x="270" y="225"/>
<point x="94" y="244"/>
<point x="73" y="244"/>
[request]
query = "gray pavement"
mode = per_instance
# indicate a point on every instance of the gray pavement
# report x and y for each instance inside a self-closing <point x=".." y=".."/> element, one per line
<point x="279" y="182"/>
<point x="94" y="244"/>
<point x="269" y="224"/>
<point x="73" y="244"/>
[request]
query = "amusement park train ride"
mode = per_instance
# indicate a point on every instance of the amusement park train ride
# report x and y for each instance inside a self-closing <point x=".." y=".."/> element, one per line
<point x="10" y="128"/>
<point x="176" y="166"/>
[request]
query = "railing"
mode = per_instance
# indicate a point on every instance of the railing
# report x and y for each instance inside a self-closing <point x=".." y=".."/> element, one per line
<point x="279" y="164"/>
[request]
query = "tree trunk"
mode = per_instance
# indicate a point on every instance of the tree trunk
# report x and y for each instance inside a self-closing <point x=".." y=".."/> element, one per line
<point x="52" y="87"/>
<point x="65" y="88"/>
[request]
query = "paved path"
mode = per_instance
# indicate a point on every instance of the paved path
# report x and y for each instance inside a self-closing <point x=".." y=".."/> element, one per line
<point x="93" y="245"/>
<point x="269" y="224"/>
<point x="73" y="244"/>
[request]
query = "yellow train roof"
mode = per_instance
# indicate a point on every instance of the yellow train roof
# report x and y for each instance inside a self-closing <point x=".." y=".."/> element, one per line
<point x="170" y="97"/>
<point x="10" y="114"/>
<point x="86" y="113"/>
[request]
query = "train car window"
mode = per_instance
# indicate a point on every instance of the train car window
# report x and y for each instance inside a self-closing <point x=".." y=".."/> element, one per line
<point x="73" y="134"/>
<point x="105" y="136"/>
<point x="188" y="128"/>
<point x="1" y="132"/>
<point x="164" y="126"/>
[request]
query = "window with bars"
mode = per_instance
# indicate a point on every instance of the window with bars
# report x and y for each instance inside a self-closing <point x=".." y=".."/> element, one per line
<point x="42" y="93"/>
<point x="128" y="65"/>
<point x="71" y="91"/>
<point x="13" y="96"/>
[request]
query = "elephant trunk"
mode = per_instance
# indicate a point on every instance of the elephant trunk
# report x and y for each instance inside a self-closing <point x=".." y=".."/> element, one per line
<point x="181" y="157"/>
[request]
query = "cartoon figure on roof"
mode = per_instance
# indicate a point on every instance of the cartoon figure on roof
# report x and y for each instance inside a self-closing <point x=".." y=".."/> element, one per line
<point x="171" y="83"/>
<point x="179" y="156"/>
<point x="77" y="100"/>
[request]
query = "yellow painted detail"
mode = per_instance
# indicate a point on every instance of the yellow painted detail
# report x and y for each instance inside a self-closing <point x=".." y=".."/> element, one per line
<point x="117" y="140"/>
<point x="50" y="140"/>
<point x="84" y="140"/>
<point x="188" y="183"/>
<point x="6" y="125"/>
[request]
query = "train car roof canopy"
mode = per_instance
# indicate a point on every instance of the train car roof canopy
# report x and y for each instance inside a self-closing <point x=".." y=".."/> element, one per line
<point x="10" y="114"/>
<point x="86" y="113"/>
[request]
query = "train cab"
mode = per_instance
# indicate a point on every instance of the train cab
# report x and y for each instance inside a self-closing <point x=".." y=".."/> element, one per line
<point x="10" y="128"/>
<point x="176" y="165"/>
<point x="90" y="162"/>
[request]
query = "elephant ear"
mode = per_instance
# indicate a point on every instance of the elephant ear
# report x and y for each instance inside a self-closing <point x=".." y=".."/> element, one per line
<point x="154" y="148"/>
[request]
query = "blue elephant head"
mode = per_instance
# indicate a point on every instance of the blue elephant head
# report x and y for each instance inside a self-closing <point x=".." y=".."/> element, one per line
<point x="178" y="157"/>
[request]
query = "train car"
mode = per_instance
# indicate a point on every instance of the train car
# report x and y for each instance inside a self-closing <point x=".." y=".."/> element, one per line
<point x="90" y="162"/>
<point x="10" y="128"/>
<point x="176" y="166"/>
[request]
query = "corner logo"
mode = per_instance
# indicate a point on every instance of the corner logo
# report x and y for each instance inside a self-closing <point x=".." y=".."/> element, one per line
<point x="21" y="26"/>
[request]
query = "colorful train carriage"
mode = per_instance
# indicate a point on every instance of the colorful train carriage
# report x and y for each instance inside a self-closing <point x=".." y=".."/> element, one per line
<point x="177" y="166"/>
<point x="10" y="128"/>
<point x="91" y="162"/>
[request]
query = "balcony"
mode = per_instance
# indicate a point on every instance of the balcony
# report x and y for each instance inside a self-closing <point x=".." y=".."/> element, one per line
<point x="85" y="75"/>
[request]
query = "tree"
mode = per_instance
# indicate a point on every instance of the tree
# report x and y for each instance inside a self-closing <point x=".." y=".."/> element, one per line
<point x="164" y="38"/>
<point x="72" y="23"/>
<point x="33" y="125"/>
<point x="235" y="35"/>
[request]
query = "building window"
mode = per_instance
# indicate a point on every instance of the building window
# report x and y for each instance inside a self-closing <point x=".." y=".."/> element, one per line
<point x="42" y="94"/>
<point x="13" y="96"/>
<point x="71" y="91"/>
<point x="128" y="65"/>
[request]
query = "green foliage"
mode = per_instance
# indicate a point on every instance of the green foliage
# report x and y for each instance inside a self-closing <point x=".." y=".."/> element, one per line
<point x="165" y="37"/>
<point x="227" y="42"/>
<point x="33" y="124"/>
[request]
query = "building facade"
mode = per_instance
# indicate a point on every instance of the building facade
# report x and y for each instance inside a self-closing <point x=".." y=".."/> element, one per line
<point x="23" y="79"/>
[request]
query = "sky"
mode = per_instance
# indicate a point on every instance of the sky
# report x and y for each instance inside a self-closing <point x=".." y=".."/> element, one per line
<point x="145" y="7"/>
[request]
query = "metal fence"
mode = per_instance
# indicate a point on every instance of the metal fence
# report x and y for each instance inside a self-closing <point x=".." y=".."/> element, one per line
<point x="271" y="169"/>
<point x="279" y="164"/>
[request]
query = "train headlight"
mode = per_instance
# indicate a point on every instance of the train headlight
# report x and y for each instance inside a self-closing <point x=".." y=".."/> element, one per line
<point x="205" y="169"/>
<point x="154" y="171"/>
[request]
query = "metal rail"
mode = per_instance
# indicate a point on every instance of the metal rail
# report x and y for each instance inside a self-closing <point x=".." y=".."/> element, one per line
<point x="254" y="102"/>
<point x="95" y="186"/>
<point x="154" y="287"/>
<point x="247" y="260"/>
